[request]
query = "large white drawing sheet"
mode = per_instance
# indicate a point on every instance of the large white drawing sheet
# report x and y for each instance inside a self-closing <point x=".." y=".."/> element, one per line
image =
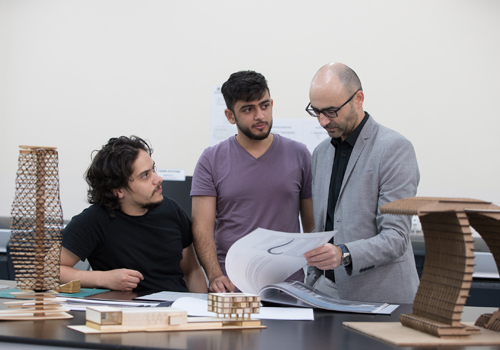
<point x="265" y="257"/>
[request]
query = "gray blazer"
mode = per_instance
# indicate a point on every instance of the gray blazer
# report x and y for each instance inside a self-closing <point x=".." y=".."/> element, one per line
<point x="382" y="168"/>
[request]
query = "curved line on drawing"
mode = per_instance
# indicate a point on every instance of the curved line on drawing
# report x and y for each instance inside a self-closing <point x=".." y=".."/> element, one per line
<point x="270" y="249"/>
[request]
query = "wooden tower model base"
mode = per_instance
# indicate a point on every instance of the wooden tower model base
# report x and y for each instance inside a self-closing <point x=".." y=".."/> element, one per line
<point x="45" y="306"/>
<point x="489" y="321"/>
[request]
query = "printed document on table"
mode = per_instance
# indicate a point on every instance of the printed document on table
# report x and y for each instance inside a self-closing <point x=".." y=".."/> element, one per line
<point x="264" y="257"/>
<point x="172" y="296"/>
<point x="198" y="307"/>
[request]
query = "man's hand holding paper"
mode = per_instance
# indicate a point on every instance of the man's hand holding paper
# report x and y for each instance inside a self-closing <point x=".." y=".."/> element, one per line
<point x="326" y="257"/>
<point x="265" y="257"/>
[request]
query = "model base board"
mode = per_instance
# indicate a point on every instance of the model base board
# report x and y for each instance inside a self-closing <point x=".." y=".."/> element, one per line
<point x="191" y="324"/>
<point x="105" y="319"/>
<point x="397" y="334"/>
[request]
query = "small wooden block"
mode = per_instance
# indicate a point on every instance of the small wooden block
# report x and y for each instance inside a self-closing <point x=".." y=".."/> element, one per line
<point x="70" y="287"/>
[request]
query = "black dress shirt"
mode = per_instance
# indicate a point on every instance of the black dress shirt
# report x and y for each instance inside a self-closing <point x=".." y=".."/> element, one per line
<point x="343" y="150"/>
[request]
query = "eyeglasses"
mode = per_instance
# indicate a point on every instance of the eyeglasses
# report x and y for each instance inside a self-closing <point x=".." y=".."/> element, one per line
<point x="330" y="112"/>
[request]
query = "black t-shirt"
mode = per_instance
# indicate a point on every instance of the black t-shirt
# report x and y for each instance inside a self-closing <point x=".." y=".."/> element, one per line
<point x="151" y="244"/>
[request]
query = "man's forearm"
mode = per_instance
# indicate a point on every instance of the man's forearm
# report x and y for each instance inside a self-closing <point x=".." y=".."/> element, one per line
<point x="196" y="281"/>
<point x="207" y="253"/>
<point x="203" y="222"/>
<point x="88" y="279"/>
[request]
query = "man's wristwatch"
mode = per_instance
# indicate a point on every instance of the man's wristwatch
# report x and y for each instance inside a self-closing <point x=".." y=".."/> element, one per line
<point x="346" y="256"/>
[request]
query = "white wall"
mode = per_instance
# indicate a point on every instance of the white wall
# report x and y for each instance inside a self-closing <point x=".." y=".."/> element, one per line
<point x="75" y="73"/>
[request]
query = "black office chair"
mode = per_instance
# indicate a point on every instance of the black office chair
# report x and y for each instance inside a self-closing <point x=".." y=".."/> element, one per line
<point x="11" y="275"/>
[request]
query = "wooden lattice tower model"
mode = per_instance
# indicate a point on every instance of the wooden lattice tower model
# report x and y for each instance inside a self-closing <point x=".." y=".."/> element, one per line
<point x="36" y="229"/>
<point x="449" y="261"/>
<point x="239" y="304"/>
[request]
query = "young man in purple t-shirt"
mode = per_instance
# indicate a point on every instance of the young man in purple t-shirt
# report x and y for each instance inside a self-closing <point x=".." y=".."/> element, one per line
<point x="253" y="179"/>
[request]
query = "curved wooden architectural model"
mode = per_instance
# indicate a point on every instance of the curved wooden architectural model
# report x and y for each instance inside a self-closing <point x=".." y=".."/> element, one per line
<point x="36" y="232"/>
<point x="449" y="261"/>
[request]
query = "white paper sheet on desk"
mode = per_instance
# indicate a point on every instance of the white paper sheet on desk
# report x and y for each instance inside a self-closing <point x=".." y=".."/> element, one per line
<point x="80" y="304"/>
<point x="172" y="296"/>
<point x="198" y="307"/>
<point x="265" y="257"/>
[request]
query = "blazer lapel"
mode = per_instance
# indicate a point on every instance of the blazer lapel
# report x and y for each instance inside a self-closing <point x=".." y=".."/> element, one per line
<point x="325" y="181"/>
<point x="361" y="142"/>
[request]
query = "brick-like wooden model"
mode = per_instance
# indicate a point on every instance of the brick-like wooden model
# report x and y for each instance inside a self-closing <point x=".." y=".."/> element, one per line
<point x="449" y="261"/>
<point x="36" y="234"/>
<point x="104" y="319"/>
<point x="228" y="304"/>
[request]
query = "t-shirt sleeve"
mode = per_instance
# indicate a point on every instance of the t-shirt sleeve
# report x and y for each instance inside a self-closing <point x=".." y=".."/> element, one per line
<point x="185" y="226"/>
<point x="306" y="191"/>
<point x="203" y="183"/>
<point x="80" y="236"/>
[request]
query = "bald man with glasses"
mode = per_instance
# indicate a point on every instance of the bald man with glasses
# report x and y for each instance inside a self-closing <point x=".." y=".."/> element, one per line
<point x="362" y="166"/>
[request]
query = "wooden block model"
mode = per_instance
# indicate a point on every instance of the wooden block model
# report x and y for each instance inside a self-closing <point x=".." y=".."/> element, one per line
<point x="105" y="319"/>
<point x="228" y="304"/>
<point x="449" y="261"/>
<point x="70" y="288"/>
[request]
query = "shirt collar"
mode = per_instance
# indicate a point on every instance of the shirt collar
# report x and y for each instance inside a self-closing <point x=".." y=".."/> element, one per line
<point x="351" y="139"/>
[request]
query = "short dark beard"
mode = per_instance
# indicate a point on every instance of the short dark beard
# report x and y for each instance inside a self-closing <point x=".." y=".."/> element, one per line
<point x="152" y="205"/>
<point x="248" y="133"/>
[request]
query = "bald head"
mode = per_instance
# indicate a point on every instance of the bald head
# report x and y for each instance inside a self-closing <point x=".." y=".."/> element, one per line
<point x="337" y="75"/>
<point x="336" y="99"/>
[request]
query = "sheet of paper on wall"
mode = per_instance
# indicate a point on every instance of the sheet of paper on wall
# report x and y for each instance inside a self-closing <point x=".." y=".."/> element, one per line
<point x="220" y="128"/>
<point x="308" y="131"/>
<point x="290" y="128"/>
<point x="265" y="257"/>
<point x="314" y="135"/>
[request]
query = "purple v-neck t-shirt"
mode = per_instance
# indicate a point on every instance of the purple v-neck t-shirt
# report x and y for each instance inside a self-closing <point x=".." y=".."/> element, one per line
<point x="253" y="192"/>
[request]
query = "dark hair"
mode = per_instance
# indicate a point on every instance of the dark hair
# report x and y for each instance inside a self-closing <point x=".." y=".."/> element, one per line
<point x="243" y="86"/>
<point x="111" y="169"/>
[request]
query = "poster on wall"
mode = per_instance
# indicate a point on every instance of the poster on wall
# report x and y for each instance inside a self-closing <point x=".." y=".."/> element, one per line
<point x="220" y="128"/>
<point x="308" y="131"/>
